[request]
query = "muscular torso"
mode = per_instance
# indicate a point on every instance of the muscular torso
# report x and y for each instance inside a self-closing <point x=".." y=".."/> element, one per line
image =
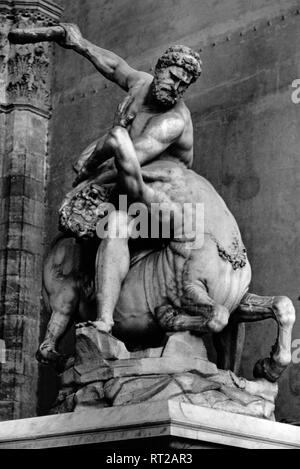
<point x="149" y="124"/>
<point x="147" y="121"/>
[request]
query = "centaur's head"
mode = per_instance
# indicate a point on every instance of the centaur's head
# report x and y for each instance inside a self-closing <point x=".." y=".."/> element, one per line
<point x="175" y="71"/>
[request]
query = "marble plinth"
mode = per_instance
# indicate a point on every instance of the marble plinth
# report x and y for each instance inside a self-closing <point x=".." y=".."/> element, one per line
<point x="104" y="373"/>
<point x="166" y="423"/>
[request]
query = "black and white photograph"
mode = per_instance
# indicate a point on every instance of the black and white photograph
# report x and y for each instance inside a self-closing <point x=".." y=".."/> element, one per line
<point x="149" y="227"/>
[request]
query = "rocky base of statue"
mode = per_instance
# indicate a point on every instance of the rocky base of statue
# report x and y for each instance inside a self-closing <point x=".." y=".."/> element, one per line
<point x="104" y="373"/>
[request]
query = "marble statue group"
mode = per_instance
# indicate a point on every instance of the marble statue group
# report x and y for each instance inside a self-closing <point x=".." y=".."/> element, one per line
<point x="142" y="292"/>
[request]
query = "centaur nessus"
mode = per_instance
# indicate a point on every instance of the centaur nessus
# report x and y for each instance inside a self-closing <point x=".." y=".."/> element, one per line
<point x="182" y="285"/>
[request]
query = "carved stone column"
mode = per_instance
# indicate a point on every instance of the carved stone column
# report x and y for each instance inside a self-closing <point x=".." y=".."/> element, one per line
<point x="25" y="106"/>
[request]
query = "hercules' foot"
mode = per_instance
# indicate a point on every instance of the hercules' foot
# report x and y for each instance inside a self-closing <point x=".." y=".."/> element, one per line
<point x="268" y="369"/>
<point x="100" y="325"/>
<point x="79" y="325"/>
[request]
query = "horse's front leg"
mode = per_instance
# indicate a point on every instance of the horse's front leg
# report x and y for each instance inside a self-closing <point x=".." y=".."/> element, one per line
<point x="256" y="308"/>
<point x="61" y="295"/>
<point x="63" y="302"/>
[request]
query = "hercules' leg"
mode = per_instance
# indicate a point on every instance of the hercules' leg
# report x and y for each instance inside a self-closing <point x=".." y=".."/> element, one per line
<point x="113" y="259"/>
<point x="130" y="173"/>
<point x="257" y="308"/>
<point x="127" y="164"/>
<point x="112" y="266"/>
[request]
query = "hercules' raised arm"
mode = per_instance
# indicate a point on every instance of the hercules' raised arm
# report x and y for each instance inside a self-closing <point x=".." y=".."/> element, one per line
<point x="67" y="35"/>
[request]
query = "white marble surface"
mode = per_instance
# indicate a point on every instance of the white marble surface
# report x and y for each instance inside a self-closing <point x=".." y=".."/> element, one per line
<point x="157" y="419"/>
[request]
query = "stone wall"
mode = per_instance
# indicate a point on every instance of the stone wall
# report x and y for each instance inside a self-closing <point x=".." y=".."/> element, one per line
<point x="246" y="138"/>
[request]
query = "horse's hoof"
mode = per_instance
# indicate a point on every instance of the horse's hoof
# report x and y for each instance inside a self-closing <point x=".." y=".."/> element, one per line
<point x="49" y="357"/>
<point x="268" y="369"/>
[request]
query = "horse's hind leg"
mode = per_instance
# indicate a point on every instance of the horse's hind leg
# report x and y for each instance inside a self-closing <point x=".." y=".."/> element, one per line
<point x="257" y="308"/>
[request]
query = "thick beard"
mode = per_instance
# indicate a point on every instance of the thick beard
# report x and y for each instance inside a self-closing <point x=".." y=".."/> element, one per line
<point x="163" y="98"/>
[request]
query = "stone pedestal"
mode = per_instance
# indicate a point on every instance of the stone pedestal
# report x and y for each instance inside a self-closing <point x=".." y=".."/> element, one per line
<point x="104" y="373"/>
<point x="25" y="106"/>
<point x="151" y="426"/>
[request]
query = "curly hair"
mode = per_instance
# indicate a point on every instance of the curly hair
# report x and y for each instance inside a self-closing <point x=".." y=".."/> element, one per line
<point x="182" y="56"/>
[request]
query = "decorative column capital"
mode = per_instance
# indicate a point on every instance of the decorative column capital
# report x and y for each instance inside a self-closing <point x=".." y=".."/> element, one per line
<point x="25" y="106"/>
<point x="25" y="69"/>
<point x="36" y="10"/>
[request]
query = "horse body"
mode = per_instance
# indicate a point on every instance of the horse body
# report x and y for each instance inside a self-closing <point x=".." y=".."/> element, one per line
<point x="182" y="274"/>
<point x="179" y="286"/>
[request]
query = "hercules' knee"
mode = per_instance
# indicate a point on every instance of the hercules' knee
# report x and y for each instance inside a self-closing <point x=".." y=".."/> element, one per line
<point x="219" y="319"/>
<point x="116" y="136"/>
<point x="284" y="310"/>
<point x="118" y="132"/>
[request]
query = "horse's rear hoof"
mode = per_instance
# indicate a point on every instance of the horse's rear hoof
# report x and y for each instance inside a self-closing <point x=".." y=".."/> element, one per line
<point x="268" y="369"/>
